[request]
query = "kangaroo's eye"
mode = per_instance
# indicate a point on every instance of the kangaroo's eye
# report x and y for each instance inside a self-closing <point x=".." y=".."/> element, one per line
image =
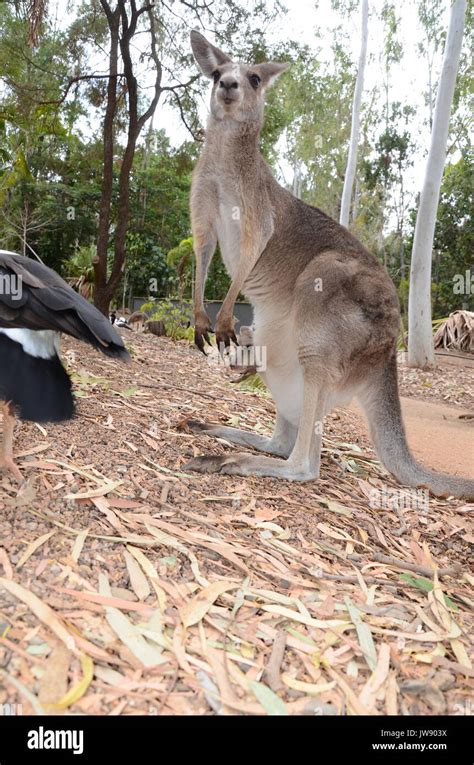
<point x="216" y="76"/>
<point x="254" y="80"/>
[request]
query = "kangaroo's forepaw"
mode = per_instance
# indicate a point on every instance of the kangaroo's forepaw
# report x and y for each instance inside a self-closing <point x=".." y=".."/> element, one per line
<point x="200" y="338"/>
<point x="202" y="327"/>
<point x="225" y="333"/>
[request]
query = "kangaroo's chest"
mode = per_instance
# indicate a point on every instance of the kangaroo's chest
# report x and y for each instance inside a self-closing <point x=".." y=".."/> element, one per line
<point x="229" y="226"/>
<point x="231" y="229"/>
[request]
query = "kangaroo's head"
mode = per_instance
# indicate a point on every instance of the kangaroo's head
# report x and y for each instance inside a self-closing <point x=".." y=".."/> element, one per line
<point x="238" y="91"/>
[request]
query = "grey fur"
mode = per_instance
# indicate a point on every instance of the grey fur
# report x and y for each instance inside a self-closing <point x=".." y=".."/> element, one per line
<point x="323" y="346"/>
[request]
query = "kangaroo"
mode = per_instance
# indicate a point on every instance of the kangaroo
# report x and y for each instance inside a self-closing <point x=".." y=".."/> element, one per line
<point x="325" y="309"/>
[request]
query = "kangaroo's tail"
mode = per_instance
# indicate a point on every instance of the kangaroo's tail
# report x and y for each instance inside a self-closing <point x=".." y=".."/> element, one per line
<point x="381" y="403"/>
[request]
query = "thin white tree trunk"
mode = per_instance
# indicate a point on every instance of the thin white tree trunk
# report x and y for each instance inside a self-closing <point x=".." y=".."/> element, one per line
<point x="420" y="336"/>
<point x="355" y="202"/>
<point x="296" y="179"/>
<point x="354" y="142"/>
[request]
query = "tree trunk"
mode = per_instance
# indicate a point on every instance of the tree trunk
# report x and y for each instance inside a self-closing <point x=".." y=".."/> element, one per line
<point x="355" y="201"/>
<point x="420" y="336"/>
<point x="101" y="299"/>
<point x="122" y="29"/>
<point x="296" y="179"/>
<point x="352" y="156"/>
<point x="25" y="228"/>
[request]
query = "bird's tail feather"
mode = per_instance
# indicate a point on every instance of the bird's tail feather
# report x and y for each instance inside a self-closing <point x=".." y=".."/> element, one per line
<point x="39" y="389"/>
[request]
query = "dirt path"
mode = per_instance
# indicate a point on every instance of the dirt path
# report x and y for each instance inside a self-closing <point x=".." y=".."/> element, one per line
<point x="437" y="434"/>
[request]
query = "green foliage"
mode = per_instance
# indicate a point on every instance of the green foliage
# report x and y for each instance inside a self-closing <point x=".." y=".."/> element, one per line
<point x="181" y="259"/>
<point x="79" y="270"/>
<point x="426" y="585"/>
<point x="253" y="383"/>
<point x="393" y="148"/>
<point x="177" y="318"/>
<point x="454" y="238"/>
<point x="146" y="271"/>
<point x="159" y="213"/>
<point x="453" y="241"/>
<point x="393" y="48"/>
<point x="183" y="253"/>
<point x="430" y="14"/>
<point x="318" y="119"/>
<point x="218" y="280"/>
<point x="402" y="291"/>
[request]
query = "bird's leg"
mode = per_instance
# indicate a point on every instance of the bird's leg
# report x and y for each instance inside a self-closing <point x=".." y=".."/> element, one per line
<point x="6" y="447"/>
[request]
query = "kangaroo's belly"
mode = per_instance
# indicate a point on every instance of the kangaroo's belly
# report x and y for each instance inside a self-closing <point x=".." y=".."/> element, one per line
<point x="282" y="374"/>
<point x="276" y="337"/>
<point x="286" y="387"/>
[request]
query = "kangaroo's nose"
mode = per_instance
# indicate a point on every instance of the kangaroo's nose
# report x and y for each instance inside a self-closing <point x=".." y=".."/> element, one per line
<point x="228" y="83"/>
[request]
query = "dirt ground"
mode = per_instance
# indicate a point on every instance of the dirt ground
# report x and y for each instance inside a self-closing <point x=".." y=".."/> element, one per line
<point x="129" y="586"/>
<point x="440" y="436"/>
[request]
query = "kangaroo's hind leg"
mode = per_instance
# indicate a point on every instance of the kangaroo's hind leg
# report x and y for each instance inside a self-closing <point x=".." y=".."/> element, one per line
<point x="303" y="463"/>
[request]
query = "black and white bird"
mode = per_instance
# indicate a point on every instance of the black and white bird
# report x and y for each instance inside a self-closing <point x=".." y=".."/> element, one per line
<point x="36" y="305"/>
<point x="120" y="321"/>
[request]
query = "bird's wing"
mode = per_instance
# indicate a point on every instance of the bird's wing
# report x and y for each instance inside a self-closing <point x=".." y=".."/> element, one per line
<point x="32" y="296"/>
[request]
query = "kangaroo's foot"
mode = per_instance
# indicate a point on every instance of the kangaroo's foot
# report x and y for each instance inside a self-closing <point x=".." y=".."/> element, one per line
<point x="280" y="444"/>
<point x="248" y="464"/>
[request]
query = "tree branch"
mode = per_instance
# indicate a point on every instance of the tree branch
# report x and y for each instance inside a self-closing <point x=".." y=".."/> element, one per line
<point x="74" y="80"/>
<point x="172" y="88"/>
<point x="107" y="10"/>
<point x="197" y="136"/>
<point x="159" y="72"/>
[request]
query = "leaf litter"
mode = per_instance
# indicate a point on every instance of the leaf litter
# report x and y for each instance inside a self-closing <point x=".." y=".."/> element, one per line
<point x="128" y="586"/>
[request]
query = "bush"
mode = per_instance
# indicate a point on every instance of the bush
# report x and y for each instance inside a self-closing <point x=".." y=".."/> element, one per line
<point x="176" y="318"/>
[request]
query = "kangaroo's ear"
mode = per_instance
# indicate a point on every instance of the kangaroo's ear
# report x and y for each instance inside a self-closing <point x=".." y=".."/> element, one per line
<point x="208" y="57"/>
<point x="269" y="72"/>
